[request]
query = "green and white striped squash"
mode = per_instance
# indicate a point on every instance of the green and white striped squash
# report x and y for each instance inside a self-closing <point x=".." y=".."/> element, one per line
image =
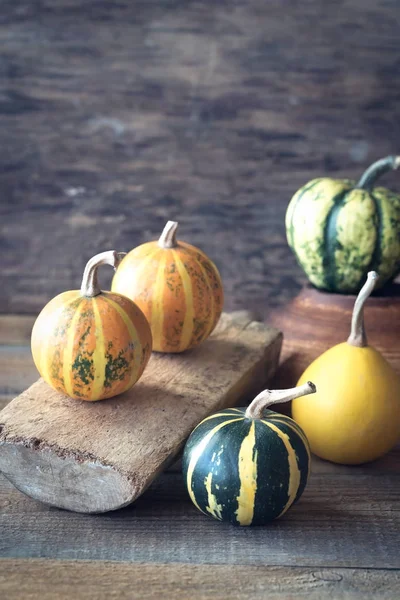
<point x="339" y="230"/>
<point x="248" y="466"/>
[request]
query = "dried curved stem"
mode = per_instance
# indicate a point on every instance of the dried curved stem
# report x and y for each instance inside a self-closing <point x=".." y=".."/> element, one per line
<point x="90" y="285"/>
<point x="357" y="335"/>
<point x="377" y="169"/>
<point x="269" y="397"/>
<point x="168" y="236"/>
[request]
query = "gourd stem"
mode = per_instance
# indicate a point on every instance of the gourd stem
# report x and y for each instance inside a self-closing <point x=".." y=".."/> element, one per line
<point x="377" y="169"/>
<point x="269" y="397"/>
<point x="90" y="285"/>
<point x="357" y="335"/>
<point x="168" y="236"/>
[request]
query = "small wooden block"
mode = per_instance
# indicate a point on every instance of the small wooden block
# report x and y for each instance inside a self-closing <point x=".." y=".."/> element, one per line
<point x="96" y="457"/>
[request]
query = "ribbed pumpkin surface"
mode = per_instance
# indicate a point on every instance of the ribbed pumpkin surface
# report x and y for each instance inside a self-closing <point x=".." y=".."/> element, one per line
<point x="339" y="233"/>
<point x="178" y="289"/>
<point x="246" y="471"/>
<point x="91" y="348"/>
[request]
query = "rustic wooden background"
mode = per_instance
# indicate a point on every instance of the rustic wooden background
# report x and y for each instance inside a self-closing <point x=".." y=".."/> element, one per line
<point x="116" y="116"/>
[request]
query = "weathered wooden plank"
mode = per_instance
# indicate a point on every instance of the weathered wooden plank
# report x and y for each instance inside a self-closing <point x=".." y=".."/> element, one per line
<point x="49" y="579"/>
<point x="225" y="110"/>
<point x="94" y="457"/>
<point x="347" y="517"/>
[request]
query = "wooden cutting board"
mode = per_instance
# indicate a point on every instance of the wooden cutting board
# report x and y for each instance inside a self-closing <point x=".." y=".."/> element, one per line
<point x="96" y="457"/>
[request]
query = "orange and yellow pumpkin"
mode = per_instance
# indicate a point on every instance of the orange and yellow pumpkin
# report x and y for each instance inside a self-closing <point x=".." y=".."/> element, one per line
<point x="178" y="288"/>
<point x="91" y="344"/>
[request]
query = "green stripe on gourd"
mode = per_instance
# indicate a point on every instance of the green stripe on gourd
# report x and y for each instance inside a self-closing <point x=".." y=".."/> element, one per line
<point x="329" y="247"/>
<point x="339" y="230"/>
<point x="248" y="466"/>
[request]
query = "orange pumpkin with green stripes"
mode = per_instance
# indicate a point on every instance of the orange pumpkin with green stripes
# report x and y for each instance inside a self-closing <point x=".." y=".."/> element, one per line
<point x="178" y="288"/>
<point x="91" y="344"/>
<point x="248" y="466"/>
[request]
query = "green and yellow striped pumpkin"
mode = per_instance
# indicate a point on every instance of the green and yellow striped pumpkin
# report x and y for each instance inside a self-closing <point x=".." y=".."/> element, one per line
<point x="339" y="231"/>
<point x="248" y="466"/>
<point x="90" y="344"/>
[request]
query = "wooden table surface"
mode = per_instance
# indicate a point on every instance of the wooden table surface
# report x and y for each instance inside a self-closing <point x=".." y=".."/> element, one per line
<point x="340" y="541"/>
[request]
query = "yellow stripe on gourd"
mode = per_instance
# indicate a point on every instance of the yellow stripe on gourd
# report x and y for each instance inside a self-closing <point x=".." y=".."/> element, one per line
<point x="218" y="415"/>
<point x="157" y="313"/>
<point x="125" y="285"/>
<point x="68" y="354"/>
<point x="247" y="463"/>
<point x="137" y="345"/>
<point x="187" y="329"/>
<point x="197" y="452"/>
<point x="139" y="271"/>
<point x="213" y="507"/>
<point x="46" y="357"/>
<point x="99" y="353"/>
<point x="294" y="472"/>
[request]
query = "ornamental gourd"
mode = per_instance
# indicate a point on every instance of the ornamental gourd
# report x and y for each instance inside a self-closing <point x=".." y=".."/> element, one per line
<point x="340" y="230"/>
<point x="248" y="466"/>
<point x="91" y="344"/>
<point x="355" y="415"/>
<point x="178" y="288"/>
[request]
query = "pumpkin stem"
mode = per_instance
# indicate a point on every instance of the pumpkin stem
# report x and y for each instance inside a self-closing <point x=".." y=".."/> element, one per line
<point x="168" y="236"/>
<point x="357" y="335"/>
<point x="268" y="397"/>
<point x="90" y="285"/>
<point x="377" y="169"/>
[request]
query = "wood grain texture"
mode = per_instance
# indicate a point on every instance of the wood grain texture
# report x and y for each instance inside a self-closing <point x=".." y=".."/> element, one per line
<point x="348" y="517"/>
<point x="115" y="117"/>
<point x="95" y="457"/>
<point x="315" y="321"/>
<point x="49" y="579"/>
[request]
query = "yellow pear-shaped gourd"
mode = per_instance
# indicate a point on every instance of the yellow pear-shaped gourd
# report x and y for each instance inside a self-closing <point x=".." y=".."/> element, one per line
<point x="355" y="415"/>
